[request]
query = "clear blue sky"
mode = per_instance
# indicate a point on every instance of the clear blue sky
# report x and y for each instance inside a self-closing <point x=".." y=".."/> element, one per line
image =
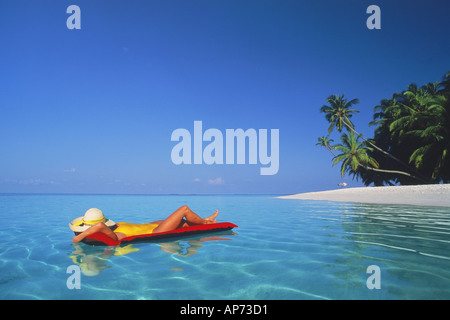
<point x="92" y="110"/>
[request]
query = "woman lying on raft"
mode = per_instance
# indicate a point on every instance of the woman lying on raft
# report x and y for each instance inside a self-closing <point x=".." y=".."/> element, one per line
<point x="94" y="221"/>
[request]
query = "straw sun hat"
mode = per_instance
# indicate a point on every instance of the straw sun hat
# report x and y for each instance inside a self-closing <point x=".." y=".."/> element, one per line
<point x="91" y="217"/>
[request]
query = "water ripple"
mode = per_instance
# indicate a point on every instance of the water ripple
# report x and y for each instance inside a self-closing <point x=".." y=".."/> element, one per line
<point x="281" y="250"/>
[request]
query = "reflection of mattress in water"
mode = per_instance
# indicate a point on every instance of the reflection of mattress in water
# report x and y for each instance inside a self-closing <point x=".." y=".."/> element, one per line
<point x="103" y="240"/>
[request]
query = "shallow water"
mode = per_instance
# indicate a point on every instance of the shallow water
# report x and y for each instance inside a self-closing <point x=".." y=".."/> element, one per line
<point x="283" y="249"/>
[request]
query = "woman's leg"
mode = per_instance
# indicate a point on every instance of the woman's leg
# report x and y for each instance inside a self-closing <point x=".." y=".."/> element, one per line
<point x="175" y="220"/>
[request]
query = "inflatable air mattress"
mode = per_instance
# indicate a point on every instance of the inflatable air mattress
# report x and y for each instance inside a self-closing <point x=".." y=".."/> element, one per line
<point x="103" y="240"/>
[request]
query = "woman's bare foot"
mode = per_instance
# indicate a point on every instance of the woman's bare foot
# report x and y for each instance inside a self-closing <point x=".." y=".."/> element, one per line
<point x="212" y="218"/>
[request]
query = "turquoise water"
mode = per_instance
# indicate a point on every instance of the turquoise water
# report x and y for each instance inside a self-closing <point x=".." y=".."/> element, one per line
<point x="283" y="249"/>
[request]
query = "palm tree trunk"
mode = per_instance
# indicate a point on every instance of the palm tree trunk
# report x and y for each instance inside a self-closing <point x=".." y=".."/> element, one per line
<point x="393" y="171"/>
<point x="328" y="147"/>
<point x="387" y="154"/>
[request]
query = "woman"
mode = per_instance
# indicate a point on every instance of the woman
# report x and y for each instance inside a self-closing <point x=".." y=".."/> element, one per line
<point x="94" y="221"/>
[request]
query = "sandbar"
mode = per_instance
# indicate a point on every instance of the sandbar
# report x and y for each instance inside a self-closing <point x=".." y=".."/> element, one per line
<point x="419" y="195"/>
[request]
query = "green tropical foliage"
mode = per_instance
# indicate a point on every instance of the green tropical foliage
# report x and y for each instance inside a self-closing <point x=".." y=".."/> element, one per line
<point x="355" y="157"/>
<point x="326" y="142"/>
<point x="338" y="113"/>
<point x="411" y="140"/>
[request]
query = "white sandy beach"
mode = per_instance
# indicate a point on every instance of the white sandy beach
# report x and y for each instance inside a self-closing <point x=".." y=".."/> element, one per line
<point x="422" y="195"/>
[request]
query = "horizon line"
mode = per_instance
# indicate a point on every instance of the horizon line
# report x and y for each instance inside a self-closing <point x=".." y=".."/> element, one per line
<point x="138" y="194"/>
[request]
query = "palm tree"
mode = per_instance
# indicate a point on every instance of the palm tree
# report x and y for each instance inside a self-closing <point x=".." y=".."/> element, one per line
<point x="422" y="126"/>
<point x="338" y="114"/>
<point x="326" y="142"/>
<point x="400" y="146"/>
<point x="354" y="157"/>
<point x="435" y="137"/>
<point x="413" y="108"/>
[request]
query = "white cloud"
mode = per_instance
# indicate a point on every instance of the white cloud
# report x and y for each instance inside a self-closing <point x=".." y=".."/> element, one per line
<point x="71" y="170"/>
<point x="197" y="180"/>
<point x="31" y="181"/>
<point x="217" y="181"/>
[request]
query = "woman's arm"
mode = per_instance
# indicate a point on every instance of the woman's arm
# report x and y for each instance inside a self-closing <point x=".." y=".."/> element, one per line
<point x="99" y="227"/>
